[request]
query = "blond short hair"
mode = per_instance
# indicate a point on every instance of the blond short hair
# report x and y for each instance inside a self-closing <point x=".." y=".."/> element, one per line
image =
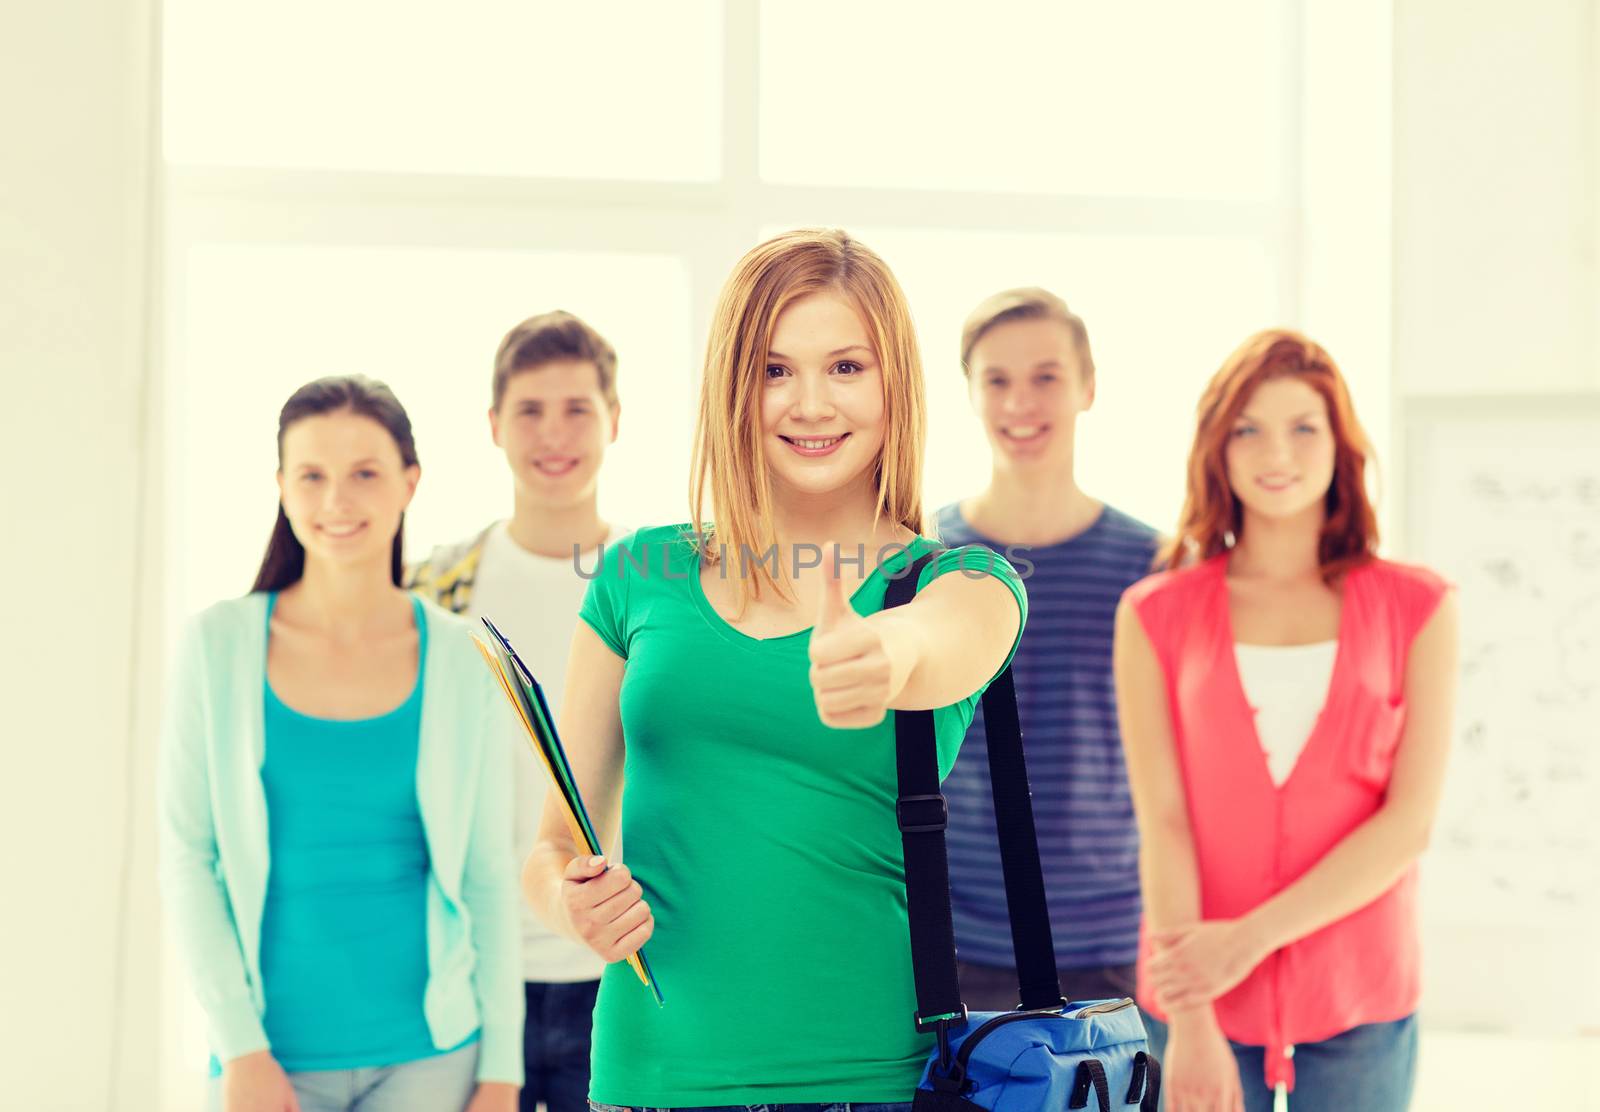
<point x="1024" y="303"/>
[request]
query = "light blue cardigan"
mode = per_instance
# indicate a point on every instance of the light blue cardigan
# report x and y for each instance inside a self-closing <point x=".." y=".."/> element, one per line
<point x="214" y="834"/>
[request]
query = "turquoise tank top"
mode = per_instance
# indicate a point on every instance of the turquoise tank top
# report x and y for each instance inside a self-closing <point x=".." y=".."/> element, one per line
<point x="344" y="948"/>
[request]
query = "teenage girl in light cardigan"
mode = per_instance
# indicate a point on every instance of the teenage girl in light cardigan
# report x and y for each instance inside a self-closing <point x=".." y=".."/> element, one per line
<point x="336" y="847"/>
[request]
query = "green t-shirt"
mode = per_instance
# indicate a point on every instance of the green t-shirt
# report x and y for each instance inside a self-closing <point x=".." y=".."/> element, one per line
<point x="766" y="845"/>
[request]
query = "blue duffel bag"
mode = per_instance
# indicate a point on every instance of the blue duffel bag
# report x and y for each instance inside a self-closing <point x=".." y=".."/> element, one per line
<point x="1048" y="1054"/>
<point x="1025" y="1061"/>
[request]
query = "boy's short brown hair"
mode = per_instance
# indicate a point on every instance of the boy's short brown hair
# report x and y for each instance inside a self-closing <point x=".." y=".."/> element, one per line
<point x="548" y="337"/>
<point x="1024" y="303"/>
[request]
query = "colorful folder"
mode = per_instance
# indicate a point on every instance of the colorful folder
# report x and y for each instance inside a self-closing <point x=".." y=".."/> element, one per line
<point x="526" y="697"/>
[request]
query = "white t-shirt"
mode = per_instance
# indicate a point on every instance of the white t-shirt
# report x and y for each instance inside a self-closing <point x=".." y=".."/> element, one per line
<point x="1286" y="686"/>
<point x="534" y="600"/>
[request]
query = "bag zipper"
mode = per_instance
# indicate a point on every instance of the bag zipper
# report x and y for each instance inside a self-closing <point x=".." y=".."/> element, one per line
<point x="984" y="1031"/>
<point x="1101" y="1009"/>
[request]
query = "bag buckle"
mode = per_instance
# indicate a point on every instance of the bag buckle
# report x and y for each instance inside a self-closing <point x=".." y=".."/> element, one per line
<point x="933" y="1023"/>
<point x="922" y="816"/>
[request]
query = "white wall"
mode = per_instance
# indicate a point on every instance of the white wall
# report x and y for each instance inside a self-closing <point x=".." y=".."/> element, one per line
<point x="75" y="233"/>
<point x="1496" y="211"/>
<point x="1496" y="197"/>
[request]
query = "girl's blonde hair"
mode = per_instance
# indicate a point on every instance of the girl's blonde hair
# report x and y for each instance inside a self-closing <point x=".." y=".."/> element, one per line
<point x="730" y="462"/>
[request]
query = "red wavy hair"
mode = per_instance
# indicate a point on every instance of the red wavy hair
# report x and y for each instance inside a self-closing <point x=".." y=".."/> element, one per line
<point x="1212" y="519"/>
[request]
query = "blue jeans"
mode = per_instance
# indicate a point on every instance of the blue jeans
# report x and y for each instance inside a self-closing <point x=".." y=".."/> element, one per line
<point x="906" y="1107"/>
<point x="1372" y="1068"/>
<point x="555" y="1045"/>
<point x="444" y="1082"/>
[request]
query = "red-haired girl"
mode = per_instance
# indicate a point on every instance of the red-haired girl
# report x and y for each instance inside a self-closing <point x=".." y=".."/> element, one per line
<point x="1285" y="700"/>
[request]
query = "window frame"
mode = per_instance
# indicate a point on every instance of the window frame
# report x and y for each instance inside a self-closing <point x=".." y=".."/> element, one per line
<point x="709" y="225"/>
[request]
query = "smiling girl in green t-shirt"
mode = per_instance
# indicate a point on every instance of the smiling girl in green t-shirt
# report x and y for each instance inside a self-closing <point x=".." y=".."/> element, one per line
<point x="738" y="679"/>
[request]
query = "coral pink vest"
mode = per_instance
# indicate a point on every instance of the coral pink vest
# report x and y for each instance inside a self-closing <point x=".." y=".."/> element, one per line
<point x="1252" y="839"/>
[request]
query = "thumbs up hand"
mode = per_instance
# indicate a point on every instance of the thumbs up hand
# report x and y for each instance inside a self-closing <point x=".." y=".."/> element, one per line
<point x="853" y="673"/>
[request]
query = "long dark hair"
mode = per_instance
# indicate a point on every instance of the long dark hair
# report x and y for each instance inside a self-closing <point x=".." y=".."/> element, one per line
<point x="285" y="560"/>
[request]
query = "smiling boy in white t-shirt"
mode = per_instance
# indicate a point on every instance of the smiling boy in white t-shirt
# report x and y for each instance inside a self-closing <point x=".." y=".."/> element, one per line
<point x="554" y="413"/>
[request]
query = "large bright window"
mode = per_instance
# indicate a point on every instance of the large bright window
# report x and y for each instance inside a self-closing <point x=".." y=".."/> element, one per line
<point x="386" y="189"/>
<point x="263" y="319"/>
<point x="478" y="87"/>
<point x="1162" y="312"/>
<point x="1061" y="98"/>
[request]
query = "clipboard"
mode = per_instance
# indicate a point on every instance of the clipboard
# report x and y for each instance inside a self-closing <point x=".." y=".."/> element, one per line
<point x="526" y="697"/>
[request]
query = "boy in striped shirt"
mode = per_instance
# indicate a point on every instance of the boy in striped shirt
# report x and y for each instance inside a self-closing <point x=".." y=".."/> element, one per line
<point x="1030" y="375"/>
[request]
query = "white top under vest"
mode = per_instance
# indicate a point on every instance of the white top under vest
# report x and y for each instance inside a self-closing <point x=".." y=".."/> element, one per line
<point x="1286" y="686"/>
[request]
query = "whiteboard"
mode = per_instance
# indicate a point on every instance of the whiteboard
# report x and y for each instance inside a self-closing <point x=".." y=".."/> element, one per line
<point x="1503" y="498"/>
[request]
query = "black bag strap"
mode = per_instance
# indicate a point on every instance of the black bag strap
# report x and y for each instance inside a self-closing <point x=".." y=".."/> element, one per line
<point x="923" y="815"/>
<point x="1091" y="1074"/>
<point x="933" y="1100"/>
<point x="1146" y="1084"/>
<point x="1038" y="982"/>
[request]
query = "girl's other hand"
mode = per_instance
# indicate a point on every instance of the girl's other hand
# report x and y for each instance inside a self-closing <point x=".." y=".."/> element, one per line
<point x="493" y="1096"/>
<point x="606" y="907"/>
<point x="1196" y="964"/>
<point x="1200" y="1073"/>
<point x="256" y="1083"/>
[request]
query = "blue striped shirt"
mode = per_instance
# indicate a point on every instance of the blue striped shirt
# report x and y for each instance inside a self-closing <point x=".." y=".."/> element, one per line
<point x="1066" y="695"/>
